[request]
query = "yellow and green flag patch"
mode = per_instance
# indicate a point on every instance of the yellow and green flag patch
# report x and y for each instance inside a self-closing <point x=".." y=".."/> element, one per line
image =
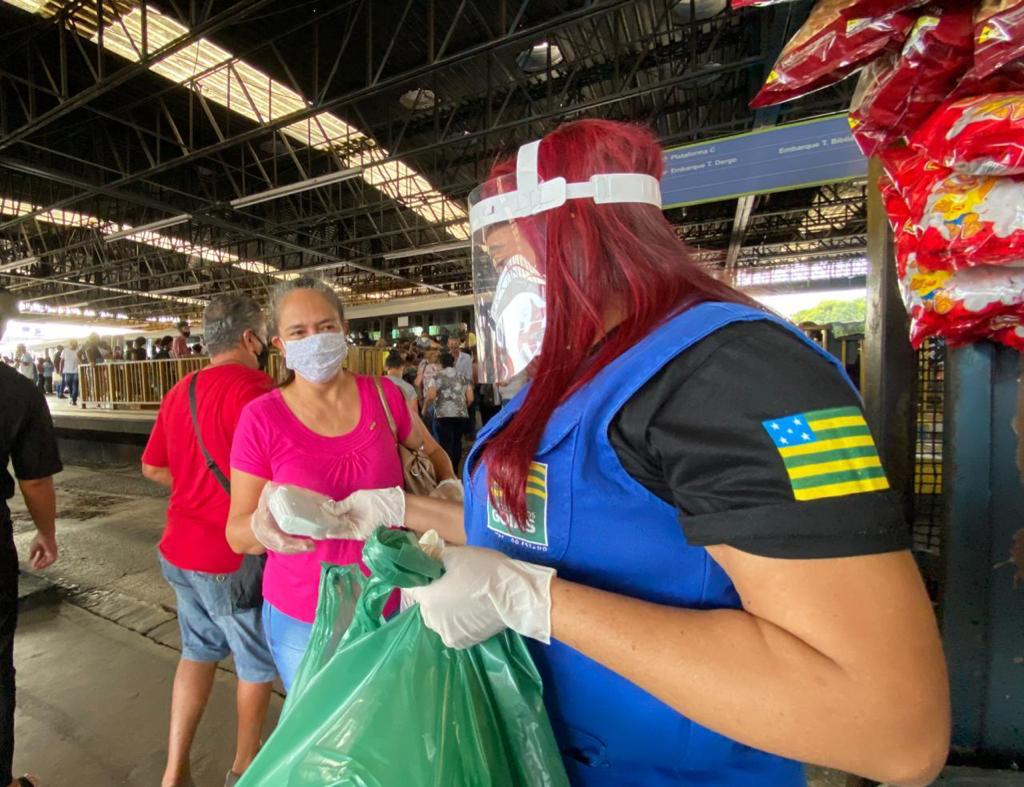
<point x="828" y="453"/>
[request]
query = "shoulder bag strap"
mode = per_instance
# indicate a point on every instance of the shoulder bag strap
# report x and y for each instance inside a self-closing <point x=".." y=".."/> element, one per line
<point x="387" y="408"/>
<point x="211" y="465"/>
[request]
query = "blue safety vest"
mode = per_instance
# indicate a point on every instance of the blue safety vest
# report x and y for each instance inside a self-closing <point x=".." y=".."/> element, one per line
<point x="596" y="525"/>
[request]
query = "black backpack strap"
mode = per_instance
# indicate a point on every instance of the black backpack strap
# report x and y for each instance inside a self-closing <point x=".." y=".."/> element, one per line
<point x="211" y="465"/>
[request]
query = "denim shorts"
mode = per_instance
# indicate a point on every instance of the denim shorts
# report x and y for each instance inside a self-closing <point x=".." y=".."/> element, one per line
<point x="288" y="638"/>
<point x="213" y="629"/>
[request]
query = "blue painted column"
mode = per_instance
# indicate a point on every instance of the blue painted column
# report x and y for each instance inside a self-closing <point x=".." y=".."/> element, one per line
<point x="982" y="613"/>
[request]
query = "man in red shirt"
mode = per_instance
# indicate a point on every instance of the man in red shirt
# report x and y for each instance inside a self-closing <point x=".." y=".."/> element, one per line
<point x="215" y="621"/>
<point x="179" y="347"/>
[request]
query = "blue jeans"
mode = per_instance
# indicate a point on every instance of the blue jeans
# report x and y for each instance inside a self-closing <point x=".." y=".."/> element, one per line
<point x="212" y="628"/>
<point x="287" y="638"/>
<point x="71" y="386"/>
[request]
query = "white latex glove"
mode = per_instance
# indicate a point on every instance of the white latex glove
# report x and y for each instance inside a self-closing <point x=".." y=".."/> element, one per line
<point x="483" y="592"/>
<point x="302" y="512"/>
<point x="368" y="509"/>
<point x="270" y="534"/>
<point x="449" y="489"/>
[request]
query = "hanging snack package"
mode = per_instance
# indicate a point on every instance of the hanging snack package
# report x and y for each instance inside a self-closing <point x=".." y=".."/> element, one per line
<point x="898" y="92"/>
<point x="862" y="7"/>
<point x="998" y="36"/>
<point x="904" y="230"/>
<point x="963" y="306"/>
<point x="835" y="41"/>
<point x="965" y="220"/>
<point x="977" y="136"/>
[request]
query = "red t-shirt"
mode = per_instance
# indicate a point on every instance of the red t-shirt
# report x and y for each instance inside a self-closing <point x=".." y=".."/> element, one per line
<point x="198" y="510"/>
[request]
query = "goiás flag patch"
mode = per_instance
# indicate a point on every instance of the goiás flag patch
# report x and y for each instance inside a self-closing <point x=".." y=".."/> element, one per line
<point x="828" y="453"/>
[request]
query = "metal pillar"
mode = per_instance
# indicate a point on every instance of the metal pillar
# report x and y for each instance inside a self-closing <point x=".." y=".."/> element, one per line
<point x="889" y="364"/>
<point x="982" y="608"/>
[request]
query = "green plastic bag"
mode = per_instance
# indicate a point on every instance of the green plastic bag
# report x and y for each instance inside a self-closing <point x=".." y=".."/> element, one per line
<point x="386" y="704"/>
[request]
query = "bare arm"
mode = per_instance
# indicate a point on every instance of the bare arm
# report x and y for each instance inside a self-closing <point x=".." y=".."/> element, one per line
<point x="245" y="496"/>
<point x="469" y="395"/>
<point x="836" y="662"/>
<point x="420" y="437"/>
<point x="41" y="502"/>
<point x="159" y="475"/>
<point x="429" y="513"/>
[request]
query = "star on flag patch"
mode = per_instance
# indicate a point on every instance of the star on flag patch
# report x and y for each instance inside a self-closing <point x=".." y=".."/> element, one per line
<point x="828" y="453"/>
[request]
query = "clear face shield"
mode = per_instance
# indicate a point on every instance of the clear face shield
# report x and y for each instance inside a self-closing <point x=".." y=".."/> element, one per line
<point x="508" y="219"/>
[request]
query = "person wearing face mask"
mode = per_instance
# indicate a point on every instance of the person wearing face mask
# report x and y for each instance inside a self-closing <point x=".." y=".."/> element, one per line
<point x="324" y="429"/>
<point x="683" y="510"/>
<point x="188" y="452"/>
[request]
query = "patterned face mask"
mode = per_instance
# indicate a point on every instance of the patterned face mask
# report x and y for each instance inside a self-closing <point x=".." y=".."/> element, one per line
<point x="317" y="358"/>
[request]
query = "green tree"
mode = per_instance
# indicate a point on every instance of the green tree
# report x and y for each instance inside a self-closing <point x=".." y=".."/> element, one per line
<point x="828" y="312"/>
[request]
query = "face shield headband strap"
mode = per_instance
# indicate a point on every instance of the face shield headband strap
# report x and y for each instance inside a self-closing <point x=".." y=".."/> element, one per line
<point x="532" y="197"/>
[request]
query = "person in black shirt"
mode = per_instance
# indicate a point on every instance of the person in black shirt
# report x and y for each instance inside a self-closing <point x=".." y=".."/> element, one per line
<point x="27" y="442"/>
<point x="685" y="510"/>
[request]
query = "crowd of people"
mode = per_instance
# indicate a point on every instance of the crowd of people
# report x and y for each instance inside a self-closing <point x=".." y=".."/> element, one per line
<point x="55" y="370"/>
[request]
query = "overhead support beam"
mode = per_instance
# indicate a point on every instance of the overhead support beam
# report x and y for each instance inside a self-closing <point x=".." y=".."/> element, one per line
<point x="121" y="76"/>
<point x="207" y="218"/>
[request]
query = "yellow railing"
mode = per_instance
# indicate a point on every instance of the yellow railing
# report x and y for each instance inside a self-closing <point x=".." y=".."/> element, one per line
<point x="142" y="384"/>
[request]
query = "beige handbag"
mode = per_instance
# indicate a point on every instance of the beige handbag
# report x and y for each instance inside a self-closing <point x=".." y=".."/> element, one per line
<point x="417" y="468"/>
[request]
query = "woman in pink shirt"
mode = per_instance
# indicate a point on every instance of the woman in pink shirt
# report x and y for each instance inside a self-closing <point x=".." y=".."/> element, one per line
<point x="324" y="429"/>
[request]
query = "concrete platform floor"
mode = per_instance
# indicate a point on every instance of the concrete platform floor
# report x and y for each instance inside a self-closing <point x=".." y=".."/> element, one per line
<point x="93" y="699"/>
<point x="96" y="661"/>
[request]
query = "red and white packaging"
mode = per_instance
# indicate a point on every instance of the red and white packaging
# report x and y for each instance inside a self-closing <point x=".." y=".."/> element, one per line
<point x="998" y="36"/>
<point x="836" y="40"/>
<point x="977" y="136"/>
<point x="963" y="306"/>
<point x="861" y="7"/>
<point x="965" y="220"/>
<point x="898" y="92"/>
<point x="960" y="220"/>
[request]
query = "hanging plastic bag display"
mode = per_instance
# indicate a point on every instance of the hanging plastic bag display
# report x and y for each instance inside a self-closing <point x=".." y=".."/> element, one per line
<point x="977" y="136"/>
<point x="386" y="704"/>
<point x="898" y="92"/>
<point x="998" y="36"/>
<point x="833" y="43"/>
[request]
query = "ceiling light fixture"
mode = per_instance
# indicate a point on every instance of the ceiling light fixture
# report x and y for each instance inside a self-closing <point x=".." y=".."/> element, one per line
<point x="539" y="57"/>
<point x="295" y="188"/>
<point x="421" y="250"/>
<point x="128" y="232"/>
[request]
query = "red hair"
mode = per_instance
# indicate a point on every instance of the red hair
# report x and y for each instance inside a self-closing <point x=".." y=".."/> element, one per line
<point x="623" y="259"/>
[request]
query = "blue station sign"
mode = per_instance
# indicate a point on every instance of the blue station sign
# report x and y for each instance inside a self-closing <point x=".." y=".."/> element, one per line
<point x="787" y="157"/>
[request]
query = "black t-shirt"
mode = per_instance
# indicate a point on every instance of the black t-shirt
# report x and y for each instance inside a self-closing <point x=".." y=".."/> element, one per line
<point x="26" y="435"/>
<point x="719" y="433"/>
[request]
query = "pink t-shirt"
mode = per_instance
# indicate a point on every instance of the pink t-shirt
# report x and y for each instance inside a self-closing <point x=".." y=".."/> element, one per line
<point x="270" y="442"/>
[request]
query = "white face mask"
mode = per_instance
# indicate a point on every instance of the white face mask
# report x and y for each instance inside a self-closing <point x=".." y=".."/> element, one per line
<point x="317" y="358"/>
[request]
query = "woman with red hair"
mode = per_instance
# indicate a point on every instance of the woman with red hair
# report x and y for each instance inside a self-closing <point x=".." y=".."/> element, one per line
<point x="684" y="509"/>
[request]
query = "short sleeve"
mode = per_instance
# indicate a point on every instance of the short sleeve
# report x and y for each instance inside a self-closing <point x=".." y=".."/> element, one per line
<point x="760" y="443"/>
<point x="399" y="410"/>
<point x="155" y="454"/>
<point x="250" y="447"/>
<point x="34" y="453"/>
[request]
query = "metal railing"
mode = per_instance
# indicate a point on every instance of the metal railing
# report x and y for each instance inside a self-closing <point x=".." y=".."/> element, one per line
<point x="140" y="385"/>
